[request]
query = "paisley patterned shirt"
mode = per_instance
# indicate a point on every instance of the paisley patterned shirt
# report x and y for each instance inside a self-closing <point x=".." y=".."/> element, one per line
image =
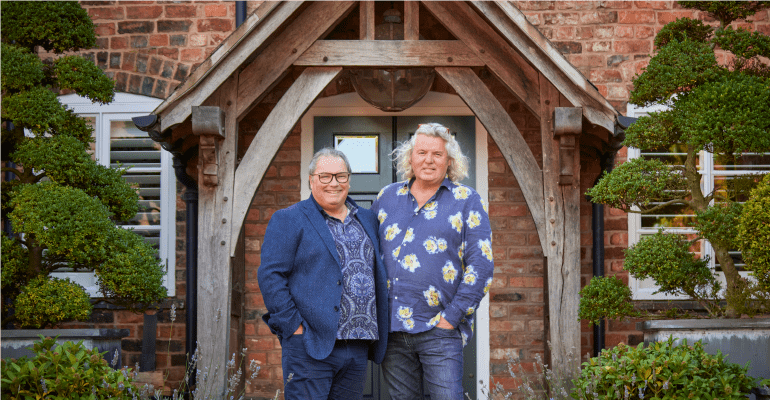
<point x="358" y="308"/>
<point x="438" y="256"/>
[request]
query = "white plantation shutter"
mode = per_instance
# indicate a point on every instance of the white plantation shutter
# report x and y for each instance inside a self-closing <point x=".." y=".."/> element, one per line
<point x="150" y="170"/>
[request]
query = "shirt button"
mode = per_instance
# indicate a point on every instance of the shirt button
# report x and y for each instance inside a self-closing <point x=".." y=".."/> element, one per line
<point x="396" y="297"/>
<point x="339" y="282"/>
<point x="336" y="308"/>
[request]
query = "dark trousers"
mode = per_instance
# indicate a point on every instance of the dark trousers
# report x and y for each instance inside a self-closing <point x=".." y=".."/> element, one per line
<point x="435" y="355"/>
<point x="338" y="376"/>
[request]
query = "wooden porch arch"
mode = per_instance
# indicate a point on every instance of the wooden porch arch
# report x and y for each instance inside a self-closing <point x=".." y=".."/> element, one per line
<point x="280" y="36"/>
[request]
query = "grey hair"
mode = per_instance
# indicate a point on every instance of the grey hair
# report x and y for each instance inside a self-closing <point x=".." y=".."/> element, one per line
<point x="326" y="152"/>
<point x="402" y="155"/>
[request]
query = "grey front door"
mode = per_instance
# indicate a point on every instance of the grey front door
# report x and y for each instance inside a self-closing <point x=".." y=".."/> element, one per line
<point x="368" y="142"/>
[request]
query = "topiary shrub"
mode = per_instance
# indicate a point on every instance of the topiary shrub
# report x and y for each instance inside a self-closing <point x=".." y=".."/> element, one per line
<point x="721" y="109"/>
<point x="62" y="205"/>
<point x="65" y="372"/>
<point x="663" y="370"/>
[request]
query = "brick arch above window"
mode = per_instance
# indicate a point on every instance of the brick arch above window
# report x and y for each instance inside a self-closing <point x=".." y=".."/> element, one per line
<point x="144" y="73"/>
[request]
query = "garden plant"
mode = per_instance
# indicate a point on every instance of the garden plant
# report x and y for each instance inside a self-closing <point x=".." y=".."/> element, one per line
<point x="715" y="84"/>
<point x="664" y="370"/>
<point x="62" y="205"/>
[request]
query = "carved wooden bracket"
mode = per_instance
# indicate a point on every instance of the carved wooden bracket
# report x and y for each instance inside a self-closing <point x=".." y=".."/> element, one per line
<point x="567" y="124"/>
<point x="208" y="123"/>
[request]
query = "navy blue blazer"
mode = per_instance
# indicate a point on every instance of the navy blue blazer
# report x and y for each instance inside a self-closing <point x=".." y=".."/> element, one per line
<point x="300" y="278"/>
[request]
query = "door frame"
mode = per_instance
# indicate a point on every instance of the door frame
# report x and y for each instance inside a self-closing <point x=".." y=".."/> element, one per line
<point x="434" y="103"/>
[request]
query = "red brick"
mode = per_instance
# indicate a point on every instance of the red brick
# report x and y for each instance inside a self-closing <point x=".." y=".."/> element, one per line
<point x="181" y="11"/>
<point x="633" y="46"/>
<point x="636" y="17"/>
<point x="105" y="13"/>
<point x="192" y="55"/>
<point x="500" y="210"/>
<point x="665" y="17"/>
<point x="607" y="75"/>
<point x="655" y="5"/>
<point x="216" y="10"/>
<point x="260" y="344"/>
<point x="624" y="32"/>
<point x="105" y="29"/>
<point x="526" y="282"/>
<point x="120" y="42"/>
<point x="215" y="25"/>
<point x="144" y="12"/>
<point x="158" y="40"/>
<point x="171" y="53"/>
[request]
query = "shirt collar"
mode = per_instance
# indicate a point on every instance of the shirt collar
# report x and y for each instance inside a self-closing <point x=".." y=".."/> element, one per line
<point x="447" y="183"/>
<point x="352" y="208"/>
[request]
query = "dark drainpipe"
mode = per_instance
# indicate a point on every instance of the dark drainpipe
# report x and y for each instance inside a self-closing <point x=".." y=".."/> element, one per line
<point x="150" y="124"/>
<point x="240" y="13"/>
<point x="607" y="162"/>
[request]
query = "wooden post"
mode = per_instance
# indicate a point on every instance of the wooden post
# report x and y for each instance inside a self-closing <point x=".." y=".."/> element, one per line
<point x="366" y="20"/>
<point x="217" y="129"/>
<point x="562" y="213"/>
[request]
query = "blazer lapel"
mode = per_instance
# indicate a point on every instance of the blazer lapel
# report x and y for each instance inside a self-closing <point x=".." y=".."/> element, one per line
<point x="319" y="223"/>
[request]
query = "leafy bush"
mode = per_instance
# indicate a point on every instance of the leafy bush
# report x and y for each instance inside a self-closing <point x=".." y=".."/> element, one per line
<point x="605" y="297"/>
<point x="63" y="205"/>
<point x="754" y="233"/>
<point x="64" y="372"/>
<point x="664" y="370"/>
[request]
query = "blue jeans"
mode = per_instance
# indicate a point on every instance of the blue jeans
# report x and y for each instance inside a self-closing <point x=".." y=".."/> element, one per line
<point x="436" y="355"/>
<point x="339" y="376"/>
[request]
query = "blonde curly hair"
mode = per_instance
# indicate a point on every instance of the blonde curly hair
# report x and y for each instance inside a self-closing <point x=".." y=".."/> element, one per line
<point x="402" y="155"/>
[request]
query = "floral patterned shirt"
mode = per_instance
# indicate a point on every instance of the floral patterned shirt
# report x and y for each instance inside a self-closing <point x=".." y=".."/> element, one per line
<point x="438" y="256"/>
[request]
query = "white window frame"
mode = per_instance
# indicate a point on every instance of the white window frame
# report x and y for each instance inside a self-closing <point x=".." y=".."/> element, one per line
<point x="124" y="107"/>
<point x="643" y="289"/>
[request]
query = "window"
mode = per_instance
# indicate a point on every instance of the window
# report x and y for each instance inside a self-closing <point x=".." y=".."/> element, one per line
<point x="674" y="219"/>
<point x="150" y="169"/>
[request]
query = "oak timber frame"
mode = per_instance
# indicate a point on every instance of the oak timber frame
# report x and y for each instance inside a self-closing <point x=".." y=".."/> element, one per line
<point x="284" y="35"/>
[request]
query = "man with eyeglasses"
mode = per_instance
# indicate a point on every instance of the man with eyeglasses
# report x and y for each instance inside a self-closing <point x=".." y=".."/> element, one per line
<point x="325" y="286"/>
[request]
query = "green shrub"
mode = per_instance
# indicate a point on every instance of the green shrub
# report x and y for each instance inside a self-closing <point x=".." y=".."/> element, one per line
<point x="64" y="372"/>
<point x="605" y="297"/>
<point x="754" y="233"/>
<point x="664" y="370"/>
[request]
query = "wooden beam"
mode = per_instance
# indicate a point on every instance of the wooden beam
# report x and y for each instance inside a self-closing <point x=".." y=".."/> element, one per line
<point x="389" y="53"/>
<point x="271" y="135"/>
<point x="366" y="20"/>
<point x="411" y="20"/>
<point x="280" y="54"/>
<point x="502" y="60"/>
<point x="513" y="26"/>
<point x="508" y="138"/>
<point x="562" y="250"/>
<point x="225" y="60"/>
<point x="214" y="262"/>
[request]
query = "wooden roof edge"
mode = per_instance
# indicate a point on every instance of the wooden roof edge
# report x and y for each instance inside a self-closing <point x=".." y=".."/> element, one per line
<point x="602" y="113"/>
<point x="254" y="20"/>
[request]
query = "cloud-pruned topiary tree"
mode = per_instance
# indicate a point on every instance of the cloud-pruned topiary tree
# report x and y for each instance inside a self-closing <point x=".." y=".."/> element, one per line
<point x="62" y="205"/>
<point x="720" y="108"/>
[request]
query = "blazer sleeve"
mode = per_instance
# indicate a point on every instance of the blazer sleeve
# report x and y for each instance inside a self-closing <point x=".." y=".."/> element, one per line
<point x="279" y="248"/>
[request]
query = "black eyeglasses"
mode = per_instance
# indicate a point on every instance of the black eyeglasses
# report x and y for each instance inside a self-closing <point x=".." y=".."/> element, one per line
<point x="341" y="177"/>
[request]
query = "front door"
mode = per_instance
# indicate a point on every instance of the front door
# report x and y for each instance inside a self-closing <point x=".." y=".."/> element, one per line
<point x="368" y="142"/>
